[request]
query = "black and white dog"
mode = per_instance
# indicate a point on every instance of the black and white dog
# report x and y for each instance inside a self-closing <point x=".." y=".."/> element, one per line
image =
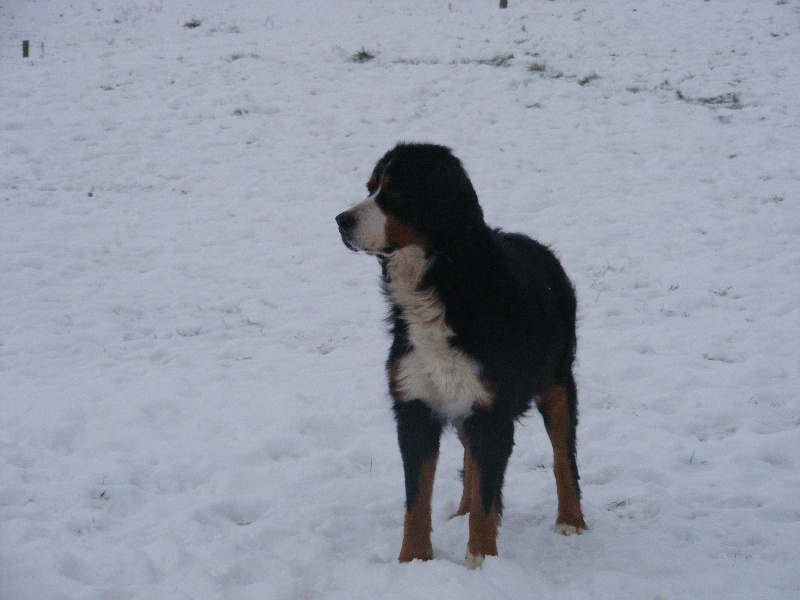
<point x="483" y="324"/>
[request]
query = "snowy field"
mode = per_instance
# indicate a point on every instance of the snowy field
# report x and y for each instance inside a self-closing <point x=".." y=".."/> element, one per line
<point x="192" y="398"/>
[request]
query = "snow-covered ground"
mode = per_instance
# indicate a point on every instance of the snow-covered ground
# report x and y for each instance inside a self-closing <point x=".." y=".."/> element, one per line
<point x="192" y="397"/>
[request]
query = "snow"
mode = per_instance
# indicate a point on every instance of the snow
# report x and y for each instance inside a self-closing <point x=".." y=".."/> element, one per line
<point x="192" y="396"/>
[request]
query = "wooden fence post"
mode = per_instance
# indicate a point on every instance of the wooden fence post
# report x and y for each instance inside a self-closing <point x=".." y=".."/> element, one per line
<point x="25" y="45"/>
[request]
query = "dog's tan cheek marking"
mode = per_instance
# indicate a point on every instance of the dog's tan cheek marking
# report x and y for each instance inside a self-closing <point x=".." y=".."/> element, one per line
<point x="401" y="235"/>
<point x="417" y="525"/>
<point x="553" y="402"/>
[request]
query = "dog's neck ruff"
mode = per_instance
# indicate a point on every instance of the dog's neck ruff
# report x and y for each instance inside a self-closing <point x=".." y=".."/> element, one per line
<point x="434" y="371"/>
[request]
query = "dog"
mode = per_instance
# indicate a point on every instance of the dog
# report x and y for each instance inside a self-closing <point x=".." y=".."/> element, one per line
<point x="483" y="327"/>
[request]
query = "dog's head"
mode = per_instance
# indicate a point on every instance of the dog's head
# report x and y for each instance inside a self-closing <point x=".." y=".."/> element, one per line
<point x="419" y="194"/>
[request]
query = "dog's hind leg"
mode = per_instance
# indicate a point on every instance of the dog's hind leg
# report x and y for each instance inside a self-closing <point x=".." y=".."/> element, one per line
<point x="466" y="496"/>
<point x="558" y="405"/>
<point x="490" y="442"/>
<point x="418" y="432"/>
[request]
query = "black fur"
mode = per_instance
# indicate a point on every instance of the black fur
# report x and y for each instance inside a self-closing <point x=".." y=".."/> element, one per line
<point x="418" y="433"/>
<point x="507" y="299"/>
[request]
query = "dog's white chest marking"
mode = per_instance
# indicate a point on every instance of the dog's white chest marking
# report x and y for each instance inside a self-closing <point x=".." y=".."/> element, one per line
<point x="443" y="377"/>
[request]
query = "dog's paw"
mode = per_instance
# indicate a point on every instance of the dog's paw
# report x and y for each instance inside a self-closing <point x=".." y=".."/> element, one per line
<point x="410" y="554"/>
<point x="567" y="529"/>
<point x="474" y="562"/>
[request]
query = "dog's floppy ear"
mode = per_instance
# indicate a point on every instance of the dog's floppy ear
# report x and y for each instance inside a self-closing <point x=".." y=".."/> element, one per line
<point x="453" y="212"/>
<point x="441" y="203"/>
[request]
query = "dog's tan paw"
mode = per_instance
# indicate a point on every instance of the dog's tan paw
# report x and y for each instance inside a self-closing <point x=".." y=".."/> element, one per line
<point x="567" y="529"/>
<point x="474" y="562"/>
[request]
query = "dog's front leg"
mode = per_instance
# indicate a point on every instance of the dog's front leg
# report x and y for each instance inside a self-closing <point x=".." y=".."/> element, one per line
<point x="418" y="432"/>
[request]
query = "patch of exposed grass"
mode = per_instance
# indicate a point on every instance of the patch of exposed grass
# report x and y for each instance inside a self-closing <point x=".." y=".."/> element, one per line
<point x="416" y="61"/>
<point x="729" y="100"/>
<point x="239" y="56"/>
<point x="588" y="79"/>
<point x="362" y="56"/>
<point x="500" y="60"/>
<point x="541" y="69"/>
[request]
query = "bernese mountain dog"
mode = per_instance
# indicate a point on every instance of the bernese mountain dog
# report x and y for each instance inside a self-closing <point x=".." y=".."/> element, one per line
<point x="483" y="326"/>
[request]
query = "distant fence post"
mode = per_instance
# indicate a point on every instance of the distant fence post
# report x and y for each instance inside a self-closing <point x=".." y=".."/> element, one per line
<point x="503" y="3"/>
<point x="25" y="48"/>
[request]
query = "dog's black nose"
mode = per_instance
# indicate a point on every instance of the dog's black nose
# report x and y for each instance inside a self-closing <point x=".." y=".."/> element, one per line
<point x="346" y="220"/>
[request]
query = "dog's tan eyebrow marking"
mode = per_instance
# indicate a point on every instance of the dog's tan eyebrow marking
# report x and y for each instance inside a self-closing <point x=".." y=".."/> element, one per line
<point x="372" y="183"/>
<point x="375" y="184"/>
